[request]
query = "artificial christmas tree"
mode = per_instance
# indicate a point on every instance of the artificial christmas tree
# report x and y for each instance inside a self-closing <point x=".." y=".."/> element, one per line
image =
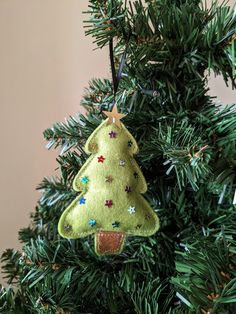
<point x="161" y="50"/>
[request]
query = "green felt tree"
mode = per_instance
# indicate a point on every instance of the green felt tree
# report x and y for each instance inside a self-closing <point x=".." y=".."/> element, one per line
<point x="161" y="54"/>
<point x="110" y="204"/>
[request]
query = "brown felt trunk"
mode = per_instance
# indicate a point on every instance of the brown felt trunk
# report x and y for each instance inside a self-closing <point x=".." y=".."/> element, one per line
<point x="109" y="242"/>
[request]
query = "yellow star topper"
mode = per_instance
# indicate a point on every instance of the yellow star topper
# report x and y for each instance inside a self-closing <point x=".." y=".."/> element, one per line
<point x="114" y="116"/>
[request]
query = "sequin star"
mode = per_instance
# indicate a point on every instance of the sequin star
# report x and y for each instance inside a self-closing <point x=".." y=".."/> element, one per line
<point x="132" y="210"/>
<point x="67" y="228"/>
<point x="109" y="203"/>
<point x="109" y="179"/>
<point x="92" y="222"/>
<point x="84" y="180"/>
<point x="93" y="147"/>
<point x="130" y="143"/>
<point x="128" y="189"/>
<point x="82" y="200"/>
<point x="122" y="163"/>
<point x="101" y="159"/>
<point x="115" y="224"/>
<point x="114" y="116"/>
<point x="148" y="216"/>
<point x="112" y="134"/>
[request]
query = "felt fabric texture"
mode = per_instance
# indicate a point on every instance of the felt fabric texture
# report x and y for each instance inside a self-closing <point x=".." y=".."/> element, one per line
<point x="108" y="242"/>
<point x="111" y="184"/>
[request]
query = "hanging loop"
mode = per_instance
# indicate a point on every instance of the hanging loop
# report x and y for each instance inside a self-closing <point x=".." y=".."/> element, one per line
<point x="117" y="77"/>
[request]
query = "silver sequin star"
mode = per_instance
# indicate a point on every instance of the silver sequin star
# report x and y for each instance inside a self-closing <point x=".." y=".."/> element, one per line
<point x="131" y="210"/>
<point x="122" y="163"/>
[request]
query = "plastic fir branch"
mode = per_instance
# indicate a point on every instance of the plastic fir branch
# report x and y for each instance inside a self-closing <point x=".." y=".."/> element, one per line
<point x="206" y="269"/>
<point x="69" y="134"/>
<point x="7" y="300"/>
<point x="54" y="190"/>
<point x="109" y="19"/>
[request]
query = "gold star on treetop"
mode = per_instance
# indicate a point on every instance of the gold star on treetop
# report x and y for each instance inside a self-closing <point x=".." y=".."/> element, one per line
<point x="114" y="116"/>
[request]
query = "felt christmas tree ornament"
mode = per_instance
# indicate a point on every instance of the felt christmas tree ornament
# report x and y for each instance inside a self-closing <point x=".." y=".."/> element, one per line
<point x="111" y="183"/>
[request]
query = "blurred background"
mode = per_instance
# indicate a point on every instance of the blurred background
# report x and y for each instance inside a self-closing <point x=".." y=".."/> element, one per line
<point x="45" y="63"/>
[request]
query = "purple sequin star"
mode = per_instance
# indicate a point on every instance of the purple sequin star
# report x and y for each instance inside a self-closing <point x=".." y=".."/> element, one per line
<point x="112" y="134"/>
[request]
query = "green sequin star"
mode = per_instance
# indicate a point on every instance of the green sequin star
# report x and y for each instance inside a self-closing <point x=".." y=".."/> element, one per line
<point x="67" y="228"/>
<point x="84" y="180"/>
<point x="115" y="224"/>
<point x="130" y="143"/>
<point x="92" y="222"/>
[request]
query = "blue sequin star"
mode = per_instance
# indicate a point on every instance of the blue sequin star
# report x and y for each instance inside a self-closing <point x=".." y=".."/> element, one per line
<point x="82" y="200"/>
<point x="92" y="222"/>
<point x="84" y="180"/>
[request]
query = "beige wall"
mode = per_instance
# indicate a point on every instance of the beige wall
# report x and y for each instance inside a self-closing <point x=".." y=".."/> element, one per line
<point x="45" y="62"/>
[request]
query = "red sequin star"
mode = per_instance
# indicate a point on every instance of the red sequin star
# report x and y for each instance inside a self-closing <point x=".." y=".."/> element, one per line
<point x="109" y="203"/>
<point x="101" y="159"/>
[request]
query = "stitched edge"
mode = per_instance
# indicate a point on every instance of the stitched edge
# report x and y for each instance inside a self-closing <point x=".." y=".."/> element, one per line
<point x="147" y="232"/>
<point x="111" y="234"/>
<point x="143" y="183"/>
